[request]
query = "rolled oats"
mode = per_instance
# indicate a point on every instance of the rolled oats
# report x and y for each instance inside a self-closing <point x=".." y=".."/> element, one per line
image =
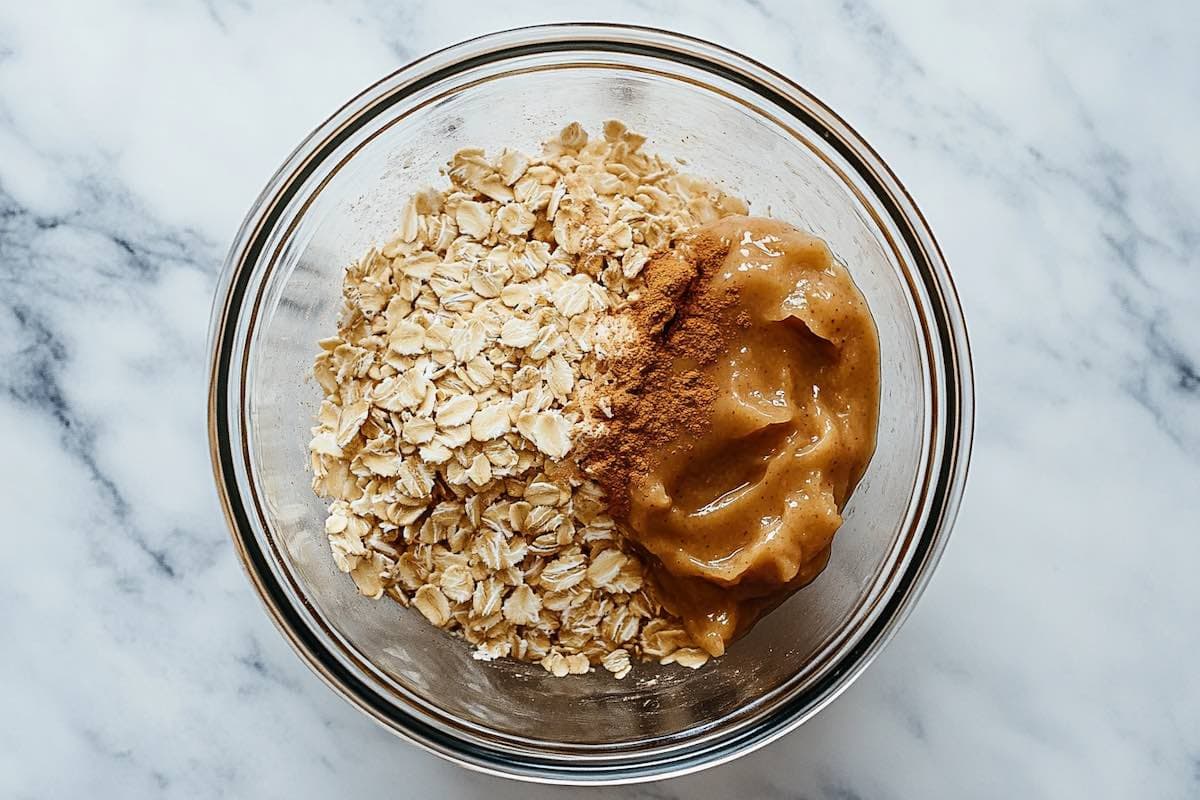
<point x="458" y="380"/>
<point x="617" y="662"/>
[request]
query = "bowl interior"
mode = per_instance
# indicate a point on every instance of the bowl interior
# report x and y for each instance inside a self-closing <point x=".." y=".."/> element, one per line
<point x="777" y="164"/>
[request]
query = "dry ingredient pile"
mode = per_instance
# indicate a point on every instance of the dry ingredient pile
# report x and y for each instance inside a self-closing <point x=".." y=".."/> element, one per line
<point x="467" y="365"/>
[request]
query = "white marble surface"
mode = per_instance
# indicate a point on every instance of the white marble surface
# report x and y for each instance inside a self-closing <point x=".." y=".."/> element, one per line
<point x="1051" y="145"/>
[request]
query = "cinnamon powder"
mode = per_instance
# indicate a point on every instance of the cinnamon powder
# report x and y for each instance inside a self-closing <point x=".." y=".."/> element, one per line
<point x="656" y="386"/>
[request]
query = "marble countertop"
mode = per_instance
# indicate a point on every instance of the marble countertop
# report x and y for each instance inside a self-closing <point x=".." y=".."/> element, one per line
<point x="1052" y="147"/>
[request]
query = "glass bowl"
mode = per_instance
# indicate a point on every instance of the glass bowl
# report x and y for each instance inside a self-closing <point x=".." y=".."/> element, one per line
<point x="761" y="137"/>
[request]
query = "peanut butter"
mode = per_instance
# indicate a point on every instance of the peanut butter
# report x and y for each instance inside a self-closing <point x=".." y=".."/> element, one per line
<point x="742" y="420"/>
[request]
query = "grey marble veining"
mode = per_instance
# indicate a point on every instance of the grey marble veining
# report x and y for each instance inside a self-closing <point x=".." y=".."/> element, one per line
<point x="1052" y="147"/>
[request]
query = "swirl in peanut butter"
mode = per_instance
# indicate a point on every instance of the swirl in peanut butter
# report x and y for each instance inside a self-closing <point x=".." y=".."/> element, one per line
<point x="742" y="420"/>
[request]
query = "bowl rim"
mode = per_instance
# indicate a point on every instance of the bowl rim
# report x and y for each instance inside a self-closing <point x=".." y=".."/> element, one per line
<point x="949" y="326"/>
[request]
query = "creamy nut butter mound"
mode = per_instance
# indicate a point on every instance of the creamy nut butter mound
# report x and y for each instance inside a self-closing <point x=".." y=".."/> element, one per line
<point x="474" y="364"/>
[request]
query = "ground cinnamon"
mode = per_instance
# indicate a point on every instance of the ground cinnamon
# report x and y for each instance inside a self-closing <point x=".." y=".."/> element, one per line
<point x="656" y="387"/>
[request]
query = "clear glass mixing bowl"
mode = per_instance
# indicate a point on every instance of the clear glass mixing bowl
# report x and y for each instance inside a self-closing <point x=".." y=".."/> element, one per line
<point x="733" y="120"/>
